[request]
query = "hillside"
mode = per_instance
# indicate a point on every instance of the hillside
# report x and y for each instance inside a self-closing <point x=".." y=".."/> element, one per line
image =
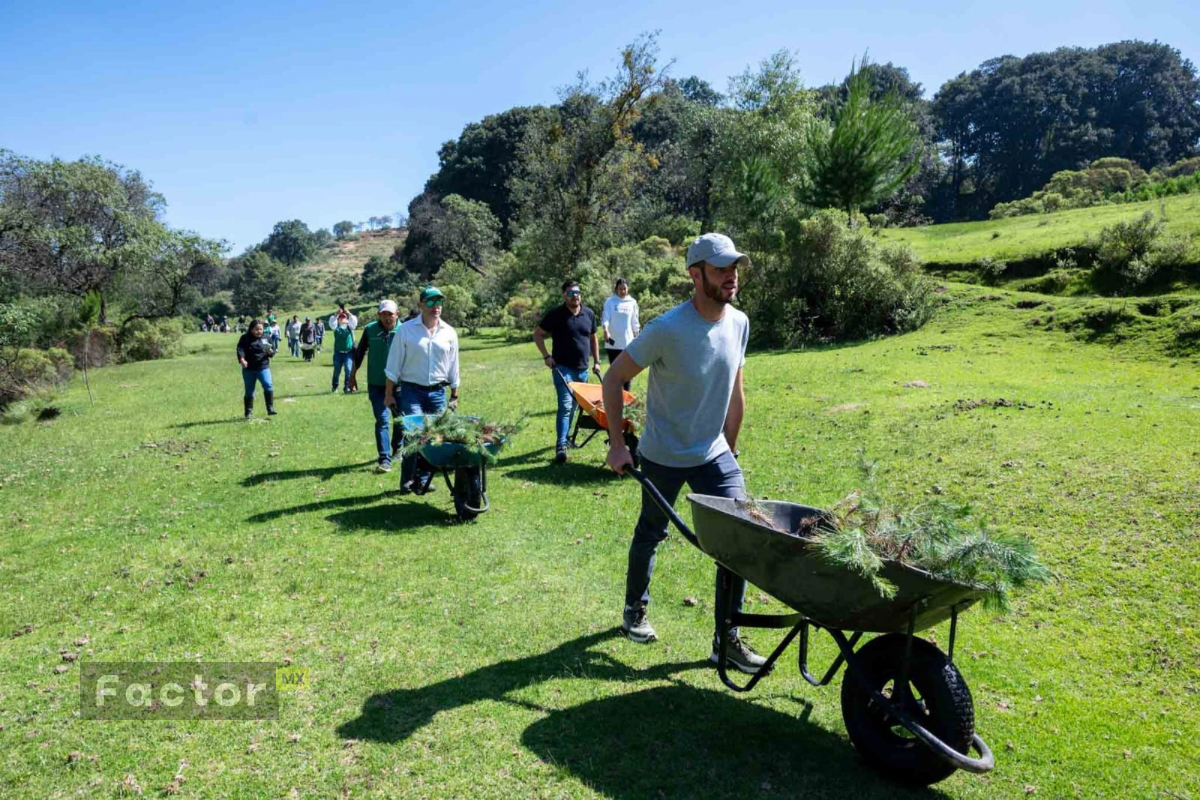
<point x="336" y="269"/>
<point x="1018" y="238"/>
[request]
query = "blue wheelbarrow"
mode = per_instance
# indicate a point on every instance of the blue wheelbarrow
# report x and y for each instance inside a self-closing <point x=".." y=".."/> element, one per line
<point x="464" y="470"/>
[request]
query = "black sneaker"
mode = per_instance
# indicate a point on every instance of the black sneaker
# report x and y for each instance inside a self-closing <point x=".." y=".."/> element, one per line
<point x="560" y="455"/>
<point x="741" y="656"/>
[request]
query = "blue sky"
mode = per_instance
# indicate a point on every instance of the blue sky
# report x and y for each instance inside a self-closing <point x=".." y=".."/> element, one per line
<point x="247" y="113"/>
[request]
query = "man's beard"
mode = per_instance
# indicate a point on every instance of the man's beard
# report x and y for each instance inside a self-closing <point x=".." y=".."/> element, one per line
<point x="713" y="290"/>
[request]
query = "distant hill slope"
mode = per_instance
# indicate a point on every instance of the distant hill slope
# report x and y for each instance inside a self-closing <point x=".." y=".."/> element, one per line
<point x="1017" y="238"/>
<point x="338" y="267"/>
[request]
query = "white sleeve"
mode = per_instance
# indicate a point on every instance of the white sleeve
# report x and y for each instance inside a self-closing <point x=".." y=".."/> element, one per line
<point x="637" y="325"/>
<point x="395" y="359"/>
<point x="453" y="371"/>
<point x="353" y="322"/>
<point x="332" y="321"/>
<point x="606" y="315"/>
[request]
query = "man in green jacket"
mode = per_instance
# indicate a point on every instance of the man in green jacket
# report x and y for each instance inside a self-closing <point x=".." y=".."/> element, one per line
<point x="373" y="345"/>
<point x="343" y="324"/>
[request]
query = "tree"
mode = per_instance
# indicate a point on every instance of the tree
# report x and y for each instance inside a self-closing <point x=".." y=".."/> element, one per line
<point x="72" y="227"/>
<point x="383" y="278"/>
<point x="468" y="231"/>
<point x="1011" y="124"/>
<point x="385" y="221"/>
<point x="401" y="220"/>
<point x="291" y="243"/>
<point x="580" y="171"/>
<point x="343" y="229"/>
<point x="182" y="266"/>
<point x="867" y="153"/>
<point x="261" y="283"/>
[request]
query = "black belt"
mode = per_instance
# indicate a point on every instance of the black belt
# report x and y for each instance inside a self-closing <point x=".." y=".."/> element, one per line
<point x="432" y="388"/>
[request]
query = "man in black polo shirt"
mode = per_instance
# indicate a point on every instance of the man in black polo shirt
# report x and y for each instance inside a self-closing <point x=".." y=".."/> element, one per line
<point x="572" y="326"/>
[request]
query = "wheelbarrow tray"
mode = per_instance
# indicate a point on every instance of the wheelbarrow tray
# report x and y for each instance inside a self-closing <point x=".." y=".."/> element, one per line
<point x="794" y="571"/>
<point x="447" y="455"/>
<point x="590" y="397"/>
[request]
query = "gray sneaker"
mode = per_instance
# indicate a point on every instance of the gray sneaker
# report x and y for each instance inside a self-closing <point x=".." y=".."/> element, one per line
<point x="636" y="626"/>
<point x="741" y="656"/>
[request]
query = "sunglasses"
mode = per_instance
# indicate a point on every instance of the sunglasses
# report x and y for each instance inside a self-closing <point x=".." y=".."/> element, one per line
<point x="574" y="293"/>
<point x="431" y="303"/>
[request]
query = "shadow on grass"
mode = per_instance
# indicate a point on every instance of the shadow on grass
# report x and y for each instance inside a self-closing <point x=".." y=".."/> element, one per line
<point x="542" y="455"/>
<point x="321" y="505"/>
<point x="394" y="517"/>
<point x="198" y="423"/>
<point x="569" y="474"/>
<point x="682" y="741"/>
<point x="324" y="473"/>
<point x="395" y="715"/>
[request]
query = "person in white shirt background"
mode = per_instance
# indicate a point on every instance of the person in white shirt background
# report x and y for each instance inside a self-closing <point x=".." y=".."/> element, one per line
<point x="620" y="321"/>
<point x="423" y="361"/>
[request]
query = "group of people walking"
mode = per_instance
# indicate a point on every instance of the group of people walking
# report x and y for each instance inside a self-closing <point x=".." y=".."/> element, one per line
<point x="695" y="401"/>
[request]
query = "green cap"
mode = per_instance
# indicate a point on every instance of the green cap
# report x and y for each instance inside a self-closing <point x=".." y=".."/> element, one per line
<point x="430" y="292"/>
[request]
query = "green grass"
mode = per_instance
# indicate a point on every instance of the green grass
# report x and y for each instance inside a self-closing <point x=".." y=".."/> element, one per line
<point x="480" y="660"/>
<point x="1018" y="238"/>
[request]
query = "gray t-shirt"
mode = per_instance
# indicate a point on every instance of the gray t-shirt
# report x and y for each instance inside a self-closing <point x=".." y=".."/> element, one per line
<point x="693" y="364"/>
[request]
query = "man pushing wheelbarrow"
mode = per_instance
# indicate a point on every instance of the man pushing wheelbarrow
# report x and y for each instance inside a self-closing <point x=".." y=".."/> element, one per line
<point x="694" y="408"/>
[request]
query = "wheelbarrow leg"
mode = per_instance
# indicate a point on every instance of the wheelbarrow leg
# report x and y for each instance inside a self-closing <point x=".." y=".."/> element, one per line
<point x="731" y="620"/>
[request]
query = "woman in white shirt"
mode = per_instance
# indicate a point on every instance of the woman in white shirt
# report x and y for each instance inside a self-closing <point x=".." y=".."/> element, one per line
<point x="620" y="321"/>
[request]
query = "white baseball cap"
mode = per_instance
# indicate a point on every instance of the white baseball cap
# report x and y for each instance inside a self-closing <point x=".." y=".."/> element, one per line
<point x="717" y="249"/>
<point x="387" y="305"/>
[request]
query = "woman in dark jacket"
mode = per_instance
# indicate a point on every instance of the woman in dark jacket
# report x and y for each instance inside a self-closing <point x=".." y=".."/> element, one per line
<point x="308" y="339"/>
<point x="254" y="354"/>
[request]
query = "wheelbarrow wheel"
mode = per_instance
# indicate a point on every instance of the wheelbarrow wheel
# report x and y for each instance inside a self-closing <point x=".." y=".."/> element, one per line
<point x="468" y="493"/>
<point x="938" y="699"/>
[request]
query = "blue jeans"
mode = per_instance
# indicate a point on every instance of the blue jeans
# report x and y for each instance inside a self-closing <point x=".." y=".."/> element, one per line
<point x="294" y="345"/>
<point x="721" y="477"/>
<point x="252" y="376"/>
<point x="415" y="400"/>
<point x="274" y="340"/>
<point x="343" y="361"/>
<point x="383" y="422"/>
<point x="566" y="400"/>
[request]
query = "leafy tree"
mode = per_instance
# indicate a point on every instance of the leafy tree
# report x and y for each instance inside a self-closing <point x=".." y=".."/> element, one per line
<point x="1011" y="124"/>
<point x="868" y="151"/>
<point x="343" y="229"/>
<point x="580" y="172"/>
<point x="482" y="164"/>
<point x="183" y="266"/>
<point x="291" y="243"/>
<point x="383" y="278"/>
<point x="73" y="227"/>
<point x="385" y="221"/>
<point x="262" y="282"/>
<point x="467" y="231"/>
<point x="322" y="238"/>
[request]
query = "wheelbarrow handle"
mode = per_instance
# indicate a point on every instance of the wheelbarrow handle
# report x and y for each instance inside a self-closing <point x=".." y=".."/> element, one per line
<point x="660" y="501"/>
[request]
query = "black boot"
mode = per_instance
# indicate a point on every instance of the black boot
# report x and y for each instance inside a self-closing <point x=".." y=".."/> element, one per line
<point x="249" y="404"/>
<point x="270" y="398"/>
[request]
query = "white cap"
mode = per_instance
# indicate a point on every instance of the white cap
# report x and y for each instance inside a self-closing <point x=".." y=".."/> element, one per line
<point x="717" y="249"/>
<point x="387" y="305"/>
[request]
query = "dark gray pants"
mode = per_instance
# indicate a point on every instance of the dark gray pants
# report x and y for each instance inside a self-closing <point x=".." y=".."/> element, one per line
<point x="721" y="477"/>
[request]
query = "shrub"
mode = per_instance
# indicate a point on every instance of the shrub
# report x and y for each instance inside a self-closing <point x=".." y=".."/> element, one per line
<point x="26" y="373"/>
<point x="1129" y="253"/>
<point x="146" y="340"/>
<point x="990" y="270"/>
<point x="832" y="282"/>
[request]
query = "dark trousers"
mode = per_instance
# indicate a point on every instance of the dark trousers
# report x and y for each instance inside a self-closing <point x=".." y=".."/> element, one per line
<point x="612" y="356"/>
<point x="721" y="477"/>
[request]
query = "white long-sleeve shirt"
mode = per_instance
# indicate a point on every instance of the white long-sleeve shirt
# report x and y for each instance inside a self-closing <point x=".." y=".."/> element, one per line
<point x="351" y="320"/>
<point x="621" y="317"/>
<point x="421" y="357"/>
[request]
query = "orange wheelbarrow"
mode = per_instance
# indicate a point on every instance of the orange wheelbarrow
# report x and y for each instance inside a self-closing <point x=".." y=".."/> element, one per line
<point x="590" y="418"/>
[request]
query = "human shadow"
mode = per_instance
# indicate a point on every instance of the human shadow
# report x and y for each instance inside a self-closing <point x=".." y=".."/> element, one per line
<point x="392" y="517"/>
<point x="198" y="423"/>
<point x="395" y="715"/>
<point x="320" y="505"/>
<point x="540" y="455"/>
<point x="324" y="473"/>
<point x="686" y="742"/>
<point x="569" y="474"/>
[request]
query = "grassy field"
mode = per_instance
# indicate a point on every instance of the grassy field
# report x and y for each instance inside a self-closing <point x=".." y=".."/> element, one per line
<point x="1024" y="237"/>
<point x="482" y="660"/>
